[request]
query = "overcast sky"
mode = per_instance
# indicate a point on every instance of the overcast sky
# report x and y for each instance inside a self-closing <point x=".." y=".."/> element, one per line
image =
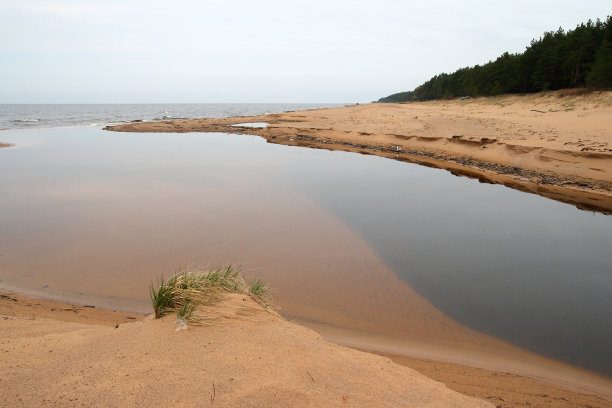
<point x="122" y="51"/>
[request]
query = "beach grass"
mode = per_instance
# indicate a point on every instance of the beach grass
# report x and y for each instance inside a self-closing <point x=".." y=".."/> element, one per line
<point x="258" y="287"/>
<point x="186" y="290"/>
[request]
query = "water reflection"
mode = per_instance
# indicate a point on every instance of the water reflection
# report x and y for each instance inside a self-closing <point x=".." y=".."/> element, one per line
<point x="521" y="267"/>
<point x="100" y="214"/>
<point x="251" y="125"/>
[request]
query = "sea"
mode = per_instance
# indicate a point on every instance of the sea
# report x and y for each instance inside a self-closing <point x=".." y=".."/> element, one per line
<point x="17" y="116"/>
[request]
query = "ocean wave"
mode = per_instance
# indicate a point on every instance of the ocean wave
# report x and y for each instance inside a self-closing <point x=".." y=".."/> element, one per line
<point x="24" y="120"/>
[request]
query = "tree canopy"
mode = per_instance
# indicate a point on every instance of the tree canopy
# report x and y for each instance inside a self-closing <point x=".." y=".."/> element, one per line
<point x="577" y="58"/>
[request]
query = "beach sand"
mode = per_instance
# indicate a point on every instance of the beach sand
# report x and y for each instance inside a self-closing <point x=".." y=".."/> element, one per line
<point x="68" y="355"/>
<point x="507" y="140"/>
<point x="549" y="144"/>
<point x="243" y="357"/>
<point x="501" y="388"/>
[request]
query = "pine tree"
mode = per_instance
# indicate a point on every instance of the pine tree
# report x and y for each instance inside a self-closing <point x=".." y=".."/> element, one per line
<point x="600" y="75"/>
<point x="556" y="60"/>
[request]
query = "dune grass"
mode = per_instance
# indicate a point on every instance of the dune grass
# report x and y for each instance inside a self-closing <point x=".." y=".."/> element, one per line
<point x="184" y="291"/>
<point x="258" y="288"/>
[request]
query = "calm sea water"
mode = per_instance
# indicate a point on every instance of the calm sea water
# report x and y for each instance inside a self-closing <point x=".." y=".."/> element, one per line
<point x="36" y="116"/>
<point x="84" y="212"/>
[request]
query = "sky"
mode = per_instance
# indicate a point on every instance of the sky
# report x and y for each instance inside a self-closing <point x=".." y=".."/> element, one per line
<point x="136" y="51"/>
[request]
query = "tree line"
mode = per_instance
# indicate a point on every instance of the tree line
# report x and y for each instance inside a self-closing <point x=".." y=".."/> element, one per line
<point x="581" y="57"/>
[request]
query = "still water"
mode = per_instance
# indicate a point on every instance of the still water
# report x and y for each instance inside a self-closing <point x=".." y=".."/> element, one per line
<point x="89" y="215"/>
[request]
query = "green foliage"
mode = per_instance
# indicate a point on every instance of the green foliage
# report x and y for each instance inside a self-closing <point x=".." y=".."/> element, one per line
<point x="258" y="288"/>
<point x="600" y="75"/>
<point x="187" y="310"/>
<point x="184" y="291"/>
<point x="398" y="97"/>
<point x="161" y="297"/>
<point x="557" y="60"/>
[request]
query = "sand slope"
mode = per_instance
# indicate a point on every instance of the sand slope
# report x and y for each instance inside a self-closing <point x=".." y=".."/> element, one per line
<point x="243" y="357"/>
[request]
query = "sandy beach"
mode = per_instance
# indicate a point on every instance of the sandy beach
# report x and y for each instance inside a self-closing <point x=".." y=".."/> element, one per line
<point x="552" y="144"/>
<point x="548" y="144"/>
<point x="244" y="356"/>
<point x="324" y="204"/>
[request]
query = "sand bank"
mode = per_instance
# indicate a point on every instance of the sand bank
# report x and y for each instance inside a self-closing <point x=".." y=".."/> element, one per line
<point x="68" y="355"/>
<point x="243" y="357"/>
<point x="501" y="388"/>
<point x="553" y="145"/>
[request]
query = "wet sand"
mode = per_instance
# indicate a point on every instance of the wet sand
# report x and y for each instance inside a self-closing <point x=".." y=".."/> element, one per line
<point x="502" y="389"/>
<point x="65" y="341"/>
<point x="548" y="144"/>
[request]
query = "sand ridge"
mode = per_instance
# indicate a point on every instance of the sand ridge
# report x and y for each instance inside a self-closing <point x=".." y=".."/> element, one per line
<point x="37" y="333"/>
<point x="244" y="356"/>
<point x="559" y="147"/>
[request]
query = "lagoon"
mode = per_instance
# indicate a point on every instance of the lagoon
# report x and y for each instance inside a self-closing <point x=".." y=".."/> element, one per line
<point x="93" y="216"/>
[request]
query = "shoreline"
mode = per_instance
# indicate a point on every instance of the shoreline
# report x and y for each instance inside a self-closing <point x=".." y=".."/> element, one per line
<point x="304" y="129"/>
<point x="540" y="144"/>
<point x="496" y="386"/>
<point x="499" y="357"/>
<point x="501" y="388"/>
<point x="151" y="361"/>
<point x="419" y="331"/>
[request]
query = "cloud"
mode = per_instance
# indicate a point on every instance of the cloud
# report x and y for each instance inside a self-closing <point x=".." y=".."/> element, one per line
<point x="53" y="45"/>
<point x="69" y="9"/>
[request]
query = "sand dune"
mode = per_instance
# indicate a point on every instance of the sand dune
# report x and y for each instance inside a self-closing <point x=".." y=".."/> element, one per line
<point x="243" y="357"/>
<point x="55" y="352"/>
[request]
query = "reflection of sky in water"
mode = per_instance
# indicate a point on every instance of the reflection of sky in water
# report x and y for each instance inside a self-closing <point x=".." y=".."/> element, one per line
<point x="521" y="267"/>
<point x="252" y="125"/>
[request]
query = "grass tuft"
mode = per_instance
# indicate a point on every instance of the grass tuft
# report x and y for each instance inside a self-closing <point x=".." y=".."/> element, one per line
<point x="258" y="288"/>
<point x="161" y="297"/>
<point x="184" y="291"/>
<point x="187" y="311"/>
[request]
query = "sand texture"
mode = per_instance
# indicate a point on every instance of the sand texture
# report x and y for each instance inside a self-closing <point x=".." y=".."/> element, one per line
<point x="69" y="355"/>
<point x="504" y="390"/>
<point x="549" y="144"/>
<point x="243" y="356"/>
